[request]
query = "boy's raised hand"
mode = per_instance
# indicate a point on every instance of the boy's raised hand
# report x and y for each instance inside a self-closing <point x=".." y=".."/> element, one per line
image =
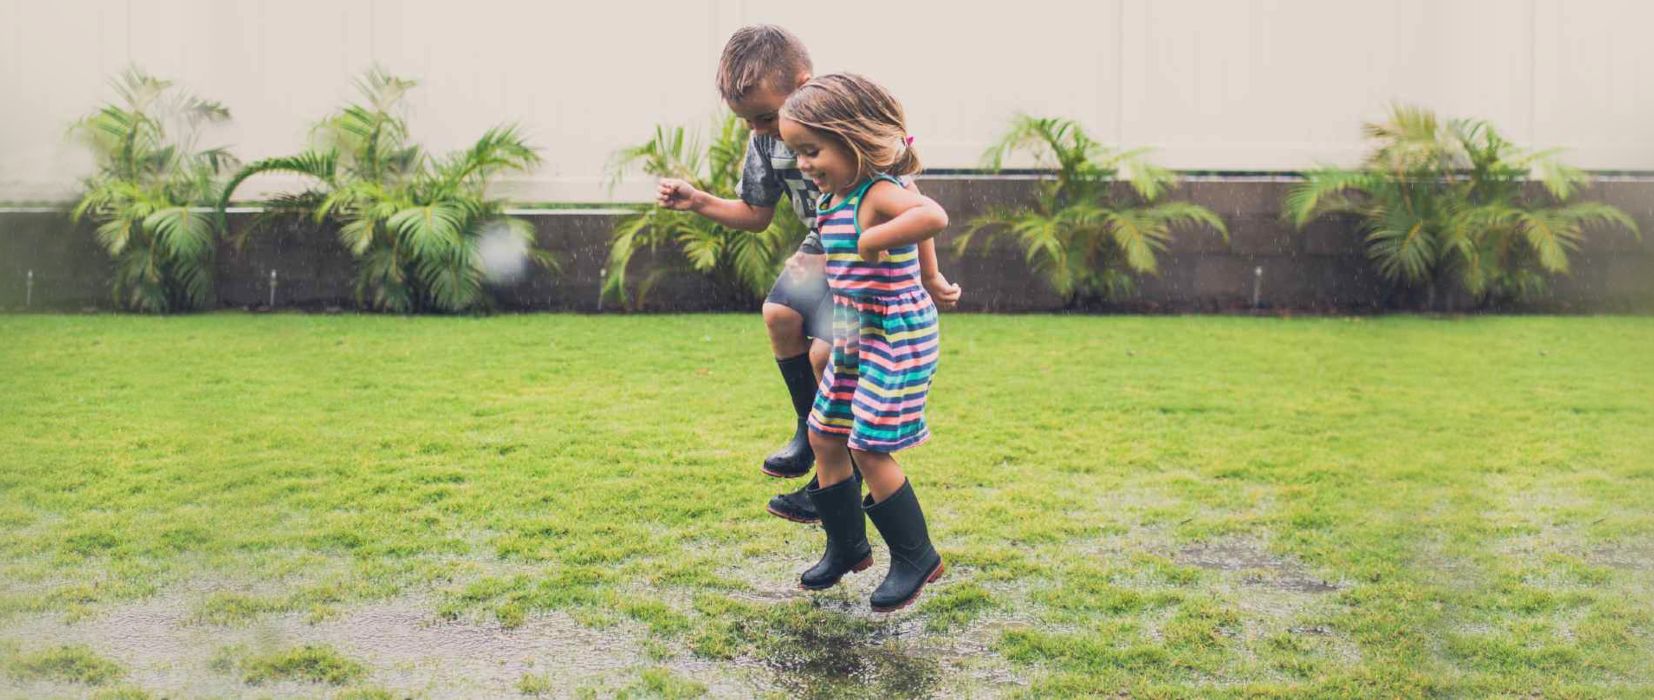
<point x="677" y="195"/>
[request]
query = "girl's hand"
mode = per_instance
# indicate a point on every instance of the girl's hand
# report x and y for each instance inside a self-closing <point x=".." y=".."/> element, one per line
<point x="870" y="253"/>
<point x="946" y="294"/>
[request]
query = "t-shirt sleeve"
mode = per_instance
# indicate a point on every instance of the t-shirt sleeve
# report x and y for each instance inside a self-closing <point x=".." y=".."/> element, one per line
<point x="812" y="243"/>
<point x="760" y="186"/>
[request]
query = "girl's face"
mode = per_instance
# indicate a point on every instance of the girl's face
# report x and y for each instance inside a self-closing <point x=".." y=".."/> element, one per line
<point x="824" y="160"/>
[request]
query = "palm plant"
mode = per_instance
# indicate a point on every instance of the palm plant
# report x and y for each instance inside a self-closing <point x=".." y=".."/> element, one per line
<point x="1085" y="233"/>
<point x="144" y="197"/>
<point x="413" y="221"/>
<point x="1447" y="202"/>
<point x="741" y="264"/>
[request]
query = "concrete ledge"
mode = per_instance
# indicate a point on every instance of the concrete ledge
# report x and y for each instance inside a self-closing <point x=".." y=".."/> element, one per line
<point x="1323" y="267"/>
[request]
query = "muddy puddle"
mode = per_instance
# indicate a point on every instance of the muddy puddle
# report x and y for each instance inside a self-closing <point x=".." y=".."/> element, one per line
<point x="165" y="650"/>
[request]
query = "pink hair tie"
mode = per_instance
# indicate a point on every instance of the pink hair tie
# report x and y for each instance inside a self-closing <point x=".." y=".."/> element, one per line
<point x="909" y="140"/>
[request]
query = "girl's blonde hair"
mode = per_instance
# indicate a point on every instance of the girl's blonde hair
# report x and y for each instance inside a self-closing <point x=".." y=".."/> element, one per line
<point x="861" y="115"/>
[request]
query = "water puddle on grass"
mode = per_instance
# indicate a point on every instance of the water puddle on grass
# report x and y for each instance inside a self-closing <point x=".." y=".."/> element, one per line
<point x="830" y="644"/>
<point x="833" y="647"/>
<point x="1633" y="556"/>
<point x="828" y="660"/>
<point x="1263" y="568"/>
<point x="1274" y="593"/>
<point x="406" y="649"/>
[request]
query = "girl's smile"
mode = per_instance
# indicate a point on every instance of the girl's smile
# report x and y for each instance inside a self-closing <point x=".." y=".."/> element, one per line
<point x="823" y="160"/>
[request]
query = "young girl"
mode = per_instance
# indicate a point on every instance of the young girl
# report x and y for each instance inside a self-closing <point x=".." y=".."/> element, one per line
<point x="850" y="138"/>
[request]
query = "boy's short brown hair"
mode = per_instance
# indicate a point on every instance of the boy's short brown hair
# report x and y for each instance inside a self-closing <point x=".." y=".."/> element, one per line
<point x="761" y="54"/>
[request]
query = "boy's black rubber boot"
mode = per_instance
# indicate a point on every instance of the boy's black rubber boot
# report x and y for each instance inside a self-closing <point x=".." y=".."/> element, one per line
<point x="795" y="458"/>
<point x="847" y="546"/>
<point x="795" y="506"/>
<point x="913" y="561"/>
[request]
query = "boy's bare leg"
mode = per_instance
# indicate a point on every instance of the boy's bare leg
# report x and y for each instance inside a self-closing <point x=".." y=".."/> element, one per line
<point x="792" y="356"/>
<point x="786" y="329"/>
<point x="819" y="352"/>
<point x="797" y="505"/>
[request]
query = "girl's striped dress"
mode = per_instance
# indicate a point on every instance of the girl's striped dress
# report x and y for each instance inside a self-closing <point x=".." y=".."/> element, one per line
<point x="884" y="338"/>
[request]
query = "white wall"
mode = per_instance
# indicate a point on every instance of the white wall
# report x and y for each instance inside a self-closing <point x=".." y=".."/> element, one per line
<point x="1210" y="84"/>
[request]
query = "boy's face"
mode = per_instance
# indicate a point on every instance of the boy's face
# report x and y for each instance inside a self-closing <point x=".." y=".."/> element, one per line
<point x="822" y="159"/>
<point x="759" y="107"/>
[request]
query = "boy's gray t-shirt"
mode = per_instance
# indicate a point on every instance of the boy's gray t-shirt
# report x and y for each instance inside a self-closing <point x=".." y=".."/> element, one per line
<point x="771" y="171"/>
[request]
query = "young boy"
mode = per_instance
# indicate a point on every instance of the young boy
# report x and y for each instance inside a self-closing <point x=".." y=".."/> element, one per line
<point x="761" y="66"/>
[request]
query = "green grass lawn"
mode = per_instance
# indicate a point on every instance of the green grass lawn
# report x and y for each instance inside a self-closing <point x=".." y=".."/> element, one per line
<point x="1169" y="507"/>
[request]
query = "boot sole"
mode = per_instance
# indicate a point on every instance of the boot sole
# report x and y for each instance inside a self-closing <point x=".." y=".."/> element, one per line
<point x="783" y="475"/>
<point x="793" y="518"/>
<point x="940" y="567"/>
<point x="862" y="565"/>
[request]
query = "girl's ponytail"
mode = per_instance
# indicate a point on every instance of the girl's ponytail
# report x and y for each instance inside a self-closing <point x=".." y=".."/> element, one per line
<point x="907" y="159"/>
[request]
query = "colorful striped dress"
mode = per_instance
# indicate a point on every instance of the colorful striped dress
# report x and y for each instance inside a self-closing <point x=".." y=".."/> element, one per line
<point x="884" y="338"/>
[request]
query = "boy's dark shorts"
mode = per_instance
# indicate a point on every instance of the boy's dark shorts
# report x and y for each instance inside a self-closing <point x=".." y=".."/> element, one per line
<point x="810" y="298"/>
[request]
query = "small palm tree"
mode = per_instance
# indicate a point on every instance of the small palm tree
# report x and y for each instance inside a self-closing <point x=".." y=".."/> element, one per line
<point x="412" y="221"/>
<point x="150" y="180"/>
<point x="1088" y="236"/>
<point x="1445" y="202"/>
<point x="741" y="264"/>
